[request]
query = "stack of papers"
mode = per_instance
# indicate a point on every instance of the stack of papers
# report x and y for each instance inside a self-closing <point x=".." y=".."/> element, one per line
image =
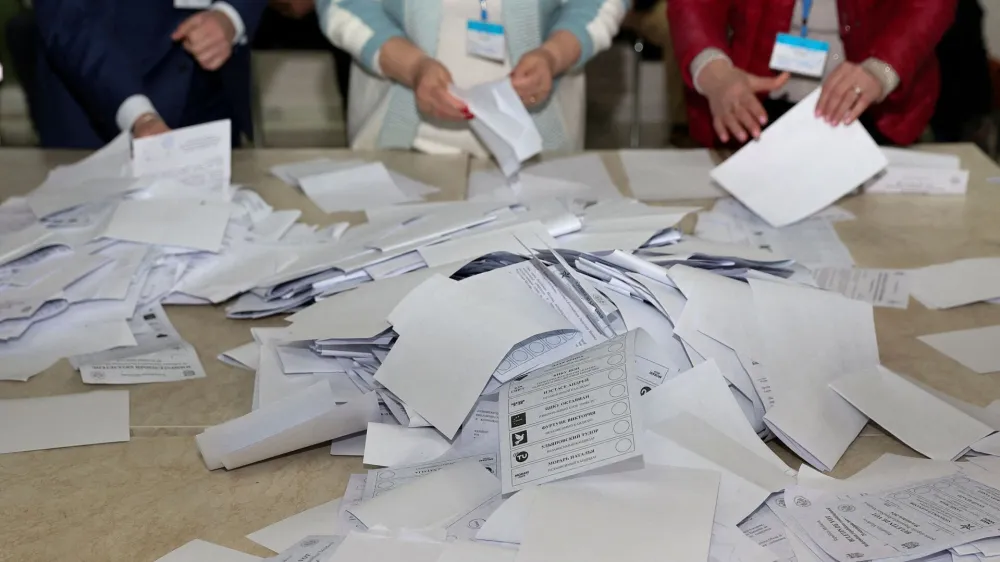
<point x="545" y="357"/>
<point x="915" y="172"/>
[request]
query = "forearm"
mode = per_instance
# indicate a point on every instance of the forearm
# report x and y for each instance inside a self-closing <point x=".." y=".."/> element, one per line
<point x="564" y="50"/>
<point x="593" y="23"/>
<point x="400" y="60"/>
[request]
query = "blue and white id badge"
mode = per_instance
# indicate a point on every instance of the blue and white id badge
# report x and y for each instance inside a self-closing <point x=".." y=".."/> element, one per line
<point x="486" y="40"/>
<point x="799" y="55"/>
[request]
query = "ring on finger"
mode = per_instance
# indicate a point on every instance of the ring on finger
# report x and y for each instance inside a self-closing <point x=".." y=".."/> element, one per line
<point x="858" y="91"/>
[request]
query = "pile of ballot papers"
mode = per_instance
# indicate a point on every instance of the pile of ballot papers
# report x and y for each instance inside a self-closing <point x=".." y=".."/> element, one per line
<point x="546" y="371"/>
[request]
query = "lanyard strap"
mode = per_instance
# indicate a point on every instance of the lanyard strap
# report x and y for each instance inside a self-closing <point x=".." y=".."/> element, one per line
<point x="806" y="9"/>
<point x="485" y="16"/>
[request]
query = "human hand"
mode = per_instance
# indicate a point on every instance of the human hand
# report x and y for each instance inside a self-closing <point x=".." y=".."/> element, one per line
<point x="208" y="36"/>
<point x="847" y="93"/>
<point x="732" y="95"/>
<point x="430" y="85"/>
<point x="533" y="75"/>
<point x="295" y="9"/>
<point x="148" y="125"/>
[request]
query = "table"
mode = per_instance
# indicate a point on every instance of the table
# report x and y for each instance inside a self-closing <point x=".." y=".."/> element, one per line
<point x="136" y="501"/>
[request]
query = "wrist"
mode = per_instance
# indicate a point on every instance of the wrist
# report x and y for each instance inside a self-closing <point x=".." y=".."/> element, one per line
<point x="423" y="64"/>
<point x="144" y="120"/>
<point x="552" y="58"/>
<point x="712" y="75"/>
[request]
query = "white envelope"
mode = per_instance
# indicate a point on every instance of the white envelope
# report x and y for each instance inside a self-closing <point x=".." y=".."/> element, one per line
<point x="668" y="519"/>
<point x="800" y="165"/>
<point x="931" y="426"/>
<point x="68" y="420"/>
<point x="434" y="501"/>
<point x="394" y="445"/>
<point x="300" y="420"/>
<point x="204" y="551"/>
<point x="502" y="123"/>
<point x="283" y="534"/>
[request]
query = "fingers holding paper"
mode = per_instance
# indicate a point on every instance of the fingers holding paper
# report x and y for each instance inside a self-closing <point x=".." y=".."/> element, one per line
<point x="433" y="98"/>
<point x="847" y="93"/>
<point x="533" y="76"/>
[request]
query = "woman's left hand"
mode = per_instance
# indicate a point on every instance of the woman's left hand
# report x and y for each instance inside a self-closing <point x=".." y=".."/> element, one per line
<point x="847" y="93"/>
<point x="533" y="75"/>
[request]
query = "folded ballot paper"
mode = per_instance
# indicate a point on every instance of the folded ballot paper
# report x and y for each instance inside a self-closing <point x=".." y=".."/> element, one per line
<point x="502" y="123"/>
<point x="800" y="165"/>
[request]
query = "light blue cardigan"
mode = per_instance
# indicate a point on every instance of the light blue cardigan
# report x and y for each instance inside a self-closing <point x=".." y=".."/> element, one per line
<point x="361" y="27"/>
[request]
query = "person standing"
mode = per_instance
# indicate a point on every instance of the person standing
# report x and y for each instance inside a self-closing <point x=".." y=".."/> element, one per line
<point x="409" y="52"/>
<point x="146" y="66"/>
<point x="879" y="64"/>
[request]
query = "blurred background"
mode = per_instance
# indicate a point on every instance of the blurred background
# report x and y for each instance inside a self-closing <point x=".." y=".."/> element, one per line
<point x="635" y="97"/>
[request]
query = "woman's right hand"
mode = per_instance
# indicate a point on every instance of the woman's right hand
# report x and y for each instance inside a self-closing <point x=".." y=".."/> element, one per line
<point x="732" y="95"/>
<point x="430" y="85"/>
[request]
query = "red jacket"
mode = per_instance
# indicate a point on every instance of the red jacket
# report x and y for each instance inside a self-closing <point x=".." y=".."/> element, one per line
<point x="902" y="33"/>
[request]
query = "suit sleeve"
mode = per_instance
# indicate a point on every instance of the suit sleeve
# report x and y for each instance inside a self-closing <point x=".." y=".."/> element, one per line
<point x="79" y="42"/>
<point x="911" y="35"/>
<point x="251" y="12"/>
<point x="696" y="25"/>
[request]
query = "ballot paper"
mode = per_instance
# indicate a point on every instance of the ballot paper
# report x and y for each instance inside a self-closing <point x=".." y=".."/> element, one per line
<point x="571" y="417"/>
<point x="285" y="534"/>
<point x="916" y="519"/>
<point x="585" y="169"/>
<point x="302" y="419"/>
<point x="353" y="188"/>
<point x="957" y="283"/>
<point x="888" y="288"/>
<point x="183" y="223"/>
<point x="729" y="543"/>
<point x="465" y="551"/>
<point x="480" y="323"/>
<point x="160" y="355"/>
<point x="668" y="518"/>
<point x="245" y="356"/>
<point x="394" y="445"/>
<point x="502" y="123"/>
<point x="747" y="479"/>
<point x="373" y="547"/>
<point x="49" y="202"/>
<point x="434" y="501"/>
<point x="514" y="239"/>
<point x="764" y="528"/>
<point x="904" y="409"/>
<point x="312" y="548"/>
<point x="910" y="158"/>
<point x="68" y="334"/>
<point x="202" y="551"/>
<point x="977" y="349"/>
<point x="920" y="181"/>
<point x="197" y="157"/>
<point x="807" y="416"/>
<point x="666" y="175"/>
<point x="800" y="165"/>
<point x="67" y="420"/>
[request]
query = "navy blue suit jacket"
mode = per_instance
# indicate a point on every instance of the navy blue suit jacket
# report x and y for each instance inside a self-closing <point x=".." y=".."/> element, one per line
<point x="97" y="53"/>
